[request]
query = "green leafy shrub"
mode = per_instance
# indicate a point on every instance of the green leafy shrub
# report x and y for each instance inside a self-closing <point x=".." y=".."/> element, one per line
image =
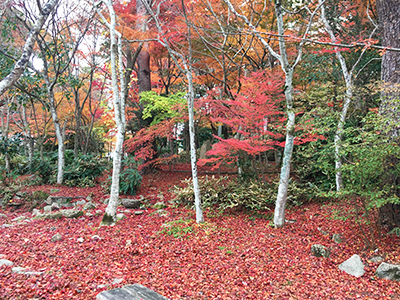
<point x="44" y="168"/>
<point x="247" y="194"/>
<point x="7" y="193"/>
<point x="227" y="193"/>
<point x="129" y="179"/>
<point x="371" y="173"/>
<point x="40" y="196"/>
<point x="83" y="170"/>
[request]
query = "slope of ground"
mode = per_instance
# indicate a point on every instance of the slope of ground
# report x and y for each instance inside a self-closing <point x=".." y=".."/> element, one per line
<point x="234" y="255"/>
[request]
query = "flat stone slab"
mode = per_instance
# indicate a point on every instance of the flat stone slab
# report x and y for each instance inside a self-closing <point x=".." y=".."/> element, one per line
<point x="130" y="292"/>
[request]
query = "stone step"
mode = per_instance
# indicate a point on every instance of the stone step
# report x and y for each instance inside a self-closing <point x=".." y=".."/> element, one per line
<point x="130" y="292"/>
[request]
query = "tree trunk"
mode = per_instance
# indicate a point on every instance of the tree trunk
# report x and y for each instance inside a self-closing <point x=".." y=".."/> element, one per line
<point x="21" y="64"/>
<point x="110" y="215"/>
<point x="389" y="21"/>
<point x="193" y="158"/>
<point x="280" y="205"/>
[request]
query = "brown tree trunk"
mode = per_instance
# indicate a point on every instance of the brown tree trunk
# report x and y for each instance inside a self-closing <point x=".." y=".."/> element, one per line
<point x="389" y="21"/>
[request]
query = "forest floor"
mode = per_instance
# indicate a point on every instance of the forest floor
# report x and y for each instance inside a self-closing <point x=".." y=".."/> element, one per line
<point x="233" y="255"/>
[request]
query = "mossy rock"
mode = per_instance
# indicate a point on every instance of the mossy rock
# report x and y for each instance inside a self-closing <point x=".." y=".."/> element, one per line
<point x="71" y="213"/>
<point x="107" y="220"/>
<point x="54" y="216"/>
<point x="159" y="205"/>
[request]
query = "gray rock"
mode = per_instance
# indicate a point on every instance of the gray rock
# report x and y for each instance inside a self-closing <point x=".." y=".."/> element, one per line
<point x="71" y="213"/>
<point x="80" y="240"/>
<point x="18" y="270"/>
<point x="58" y="199"/>
<point x="5" y="262"/>
<point x="89" y="205"/>
<point x="353" y="266"/>
<point x="32" y="273"/>
<point x="159" y="205"/>
<point x="323" y="232"/>
<point x="138" y="212"/>
<point x="67" y="204"/>
<point x="99" y="212"/>
<point x="55" y="206"/>
<point x="320" y="251"/>
<point x="18" y="219"/>
<point x="80" y="202"/>
<point x="50" y="216"/>
<point x="3" y="216"/>
<point x="6" y="225"/>
<point x="120" y="216"/>
<point x="117" y="281"/>
<point x="376" y="259"/>
<point x="336" y="238"/>
<point x="89" y="198"/>
<point x="95" y="238"/>
<point x="101" y="286"/>
<point x="88" y="214"/>
<point x="130" y="292"/>
<point x="48" y="208"/>
<point x="131" y="203"/>
<point x="388" y="271"/>
<point x="35" y="212"/>
<point x="57" y="237"/>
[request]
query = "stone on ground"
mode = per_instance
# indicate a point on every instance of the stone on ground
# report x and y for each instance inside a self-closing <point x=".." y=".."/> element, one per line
<point x="353" y="266"/>
<point x="5" y="262"/>
<point x="130" y="292"/>
<point x="57" y="237"/>
<point x="388" y="271"/>
<point x="89" y="206"/>
<point x="131" y="203"/>
<point x="320" y="251"/>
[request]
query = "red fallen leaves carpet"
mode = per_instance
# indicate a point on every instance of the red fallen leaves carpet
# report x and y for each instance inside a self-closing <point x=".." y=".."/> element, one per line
<point x="231" y="256"/>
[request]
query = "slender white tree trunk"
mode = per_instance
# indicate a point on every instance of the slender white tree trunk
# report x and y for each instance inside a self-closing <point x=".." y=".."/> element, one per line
<point x="282" y="57"/>
<point x="28" y="135"/>
<point x="281" y="199"/>
<point x="349" y="80"/>
<point x="185" y="66"/>
<point x="59" y="136"/>
<point x="110" y="215"/>
<point x="193" y="158"/>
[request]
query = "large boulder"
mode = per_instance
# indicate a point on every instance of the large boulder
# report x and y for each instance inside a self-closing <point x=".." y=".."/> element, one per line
<point x="353" y="266"/>
<point x="320" y="251"/>
<point x="388" y="271"/>
<point x="204" y="148"/>
<point x="131" y="203"/>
